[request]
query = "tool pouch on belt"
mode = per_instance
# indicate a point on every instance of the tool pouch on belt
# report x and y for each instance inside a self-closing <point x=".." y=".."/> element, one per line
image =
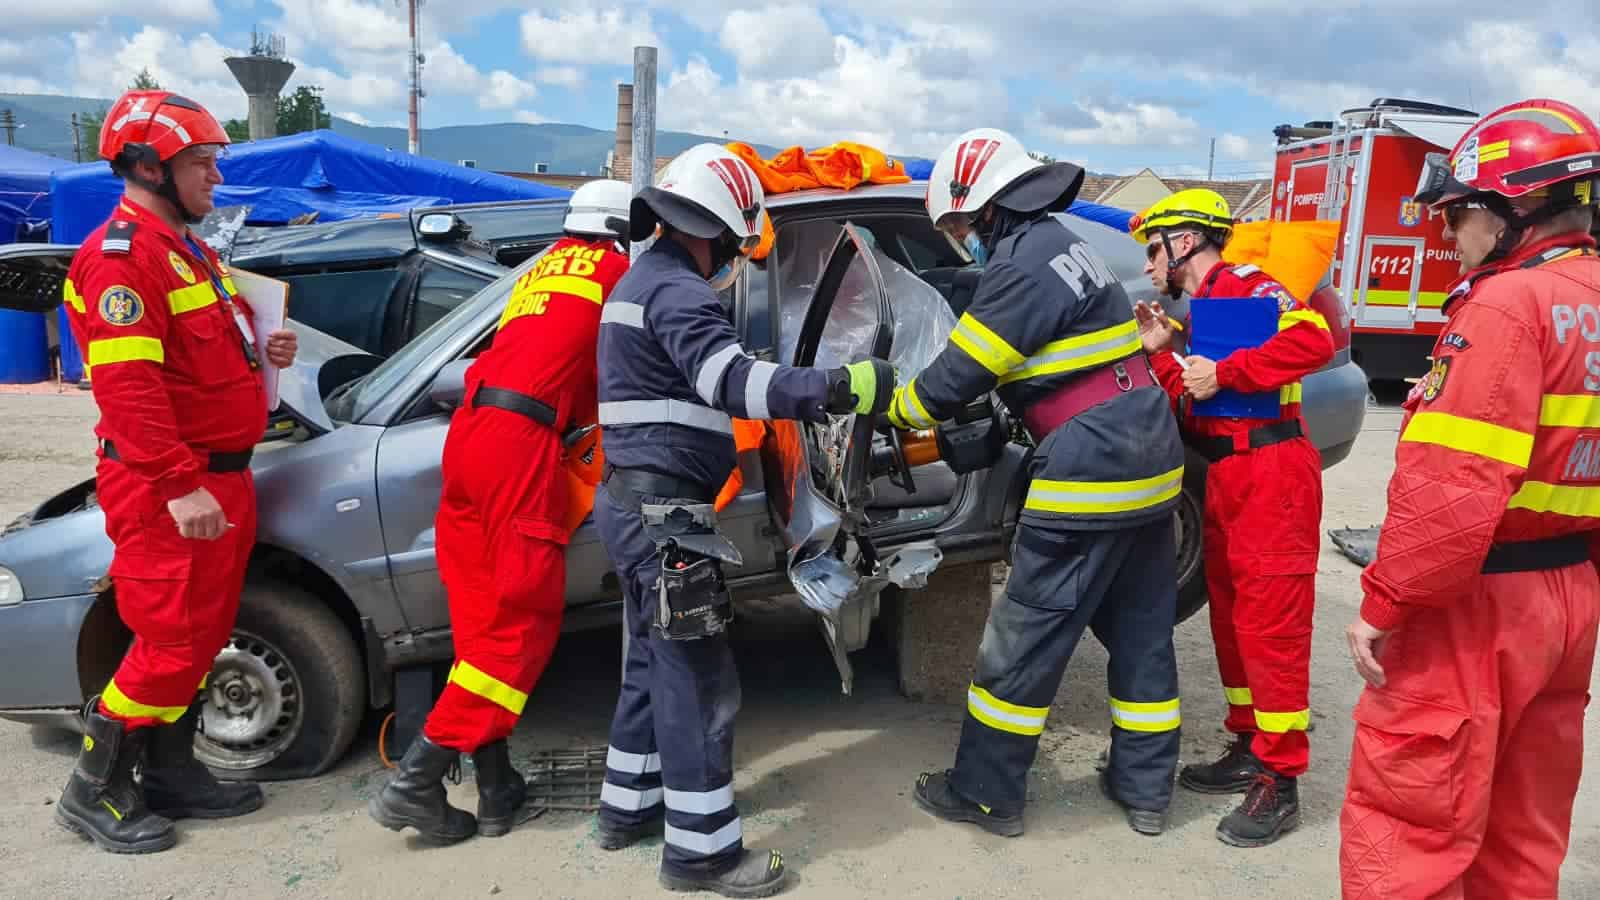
<point x="693" y="600"/>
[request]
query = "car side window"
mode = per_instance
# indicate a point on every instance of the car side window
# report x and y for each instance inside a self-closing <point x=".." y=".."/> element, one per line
<point x="440" y="289"/>
<point x="349" y="305"/>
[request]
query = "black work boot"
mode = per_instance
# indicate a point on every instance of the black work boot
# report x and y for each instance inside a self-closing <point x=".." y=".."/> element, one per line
<point x="501" y="789"/>
<point x="613" y="837"/>
<point x="1270" y="810"/>
<point x="178" y="786"/>
<point x="760" y="873"/>
<point x="1145" y="821"/>
<point x="415" y="796"/>
<point x="102" y="802"/>
<point x="934" y="794"/>
<point x="1232" y="774"/>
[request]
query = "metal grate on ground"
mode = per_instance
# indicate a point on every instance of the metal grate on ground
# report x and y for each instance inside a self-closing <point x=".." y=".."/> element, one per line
<point x="567" y="779"/>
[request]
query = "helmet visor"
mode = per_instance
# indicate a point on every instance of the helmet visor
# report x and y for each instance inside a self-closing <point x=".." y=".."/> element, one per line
<point x="1437" y="183"/>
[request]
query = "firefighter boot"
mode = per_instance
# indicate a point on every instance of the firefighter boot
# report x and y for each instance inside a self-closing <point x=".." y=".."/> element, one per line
<point x="1148" y="822"/>
<point x="1234" y="773"/>
<point x="757" y="874"/>
<point x="415" y="796"/>
<point x="101" y="801"/>
<point x="501" y="789"/>
<point x="1270" y="810"/>
<point x="178" y="786"/>
<point x="934" y="794"/>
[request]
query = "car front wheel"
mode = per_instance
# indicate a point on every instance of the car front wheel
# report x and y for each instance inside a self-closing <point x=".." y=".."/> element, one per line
<point x="287" y="694"/>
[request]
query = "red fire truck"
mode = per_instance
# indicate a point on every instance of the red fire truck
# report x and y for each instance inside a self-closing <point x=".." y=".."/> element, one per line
<point x="1392" y="265"/>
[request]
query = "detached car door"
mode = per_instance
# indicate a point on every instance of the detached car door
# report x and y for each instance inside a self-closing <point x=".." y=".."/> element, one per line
<point x="820" y="475"/>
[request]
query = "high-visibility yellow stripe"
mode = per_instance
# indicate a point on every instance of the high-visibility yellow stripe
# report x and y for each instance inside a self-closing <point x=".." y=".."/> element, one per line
<point x="1561" y="499"/>
<point x="1484" y="439"/>
<point x="1103" y="496"/>
<point x="1237" y="696"/>
<point x="1494" y="151"/>
<point x="1570" y="411"/>
<point x="911" y="408"/>
<point x="1295" y="316"/>
<point x="70" y="293"/>
<point x="1003" y="716"/>
<point x="567" y="284"/>
<point x="227" y="284"/>
<point x="1147" y="717"/>
<point x="1083" y="351"/>
<point x="1281" y="722"/>
<point x="128" y="708"/>
<point x="1425" y="299"/>
<point x="990" y="350"/>
<point x="193" y="297"/>
<point x="1291" y="393"/>
<point x="128" y="349"/>
<point x="476" y="681"/>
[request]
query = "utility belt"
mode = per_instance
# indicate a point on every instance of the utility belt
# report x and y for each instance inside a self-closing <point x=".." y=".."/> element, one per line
<point x="1086" y="391"/>
<point x="514" y="401"/>
<point x="1536" y="556"/>
<point x="217" y="462"/>
<point x="1217" y="448"/>
<point x="692" y="599"/>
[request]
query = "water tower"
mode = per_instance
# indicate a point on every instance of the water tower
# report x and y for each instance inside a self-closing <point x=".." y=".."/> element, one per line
<point x="262" y="74"/>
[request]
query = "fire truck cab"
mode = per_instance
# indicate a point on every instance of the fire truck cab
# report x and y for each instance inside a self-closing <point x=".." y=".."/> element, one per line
<point x="1392" y="265"/>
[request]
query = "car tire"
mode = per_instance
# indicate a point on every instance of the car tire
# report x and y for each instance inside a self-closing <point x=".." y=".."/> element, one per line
<point x="1187" y="521"/>
<point x="287" y="695"/>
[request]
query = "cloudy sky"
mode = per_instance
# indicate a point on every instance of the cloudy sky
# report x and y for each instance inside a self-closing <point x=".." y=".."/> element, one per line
<point x="1117" y="85"/>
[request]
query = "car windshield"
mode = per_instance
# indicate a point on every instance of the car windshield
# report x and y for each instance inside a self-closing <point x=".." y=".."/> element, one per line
<point x="354" y="400"/>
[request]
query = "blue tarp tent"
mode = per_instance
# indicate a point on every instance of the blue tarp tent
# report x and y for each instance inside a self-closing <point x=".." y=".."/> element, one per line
<point x="280" y="178"/>
<point x="25" y="193"/>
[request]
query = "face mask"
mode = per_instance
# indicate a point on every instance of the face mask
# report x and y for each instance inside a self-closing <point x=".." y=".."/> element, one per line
<point x="723" y="278"/>
<point x="974" y="244"/>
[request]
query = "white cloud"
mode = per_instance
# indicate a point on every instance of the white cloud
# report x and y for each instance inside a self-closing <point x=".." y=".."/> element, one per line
<point x="448" y="72"/>
<point x="364" y="90"/>
<point x="586" y="37"/>
<point x="1134" y="124"/>
<point x="352" y="116"/>
<point x="529" y="117"/>
<point x="346" y="25"/>
<point x="559" y="76"/>
<point x="1233" y="146"/>
<point x="24" y="84"/>
<point x="78" y="13"/>
<point x="778" y="40"/>
<point x="102" y="64"/>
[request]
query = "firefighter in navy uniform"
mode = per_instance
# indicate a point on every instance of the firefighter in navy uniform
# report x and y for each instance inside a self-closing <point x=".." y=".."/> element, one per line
<point x="1051" y="329"/>
<point x="671" y="373"/>
<point x="177" y="377"/>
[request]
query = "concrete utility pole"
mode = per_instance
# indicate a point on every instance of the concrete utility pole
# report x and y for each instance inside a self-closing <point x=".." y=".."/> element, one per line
<point x="644" y="122"/>
<point x="1211" y="164"/>
<point x="416" y="93"/>
<point x="77" y="140"/>
<point x="8" y="121"/>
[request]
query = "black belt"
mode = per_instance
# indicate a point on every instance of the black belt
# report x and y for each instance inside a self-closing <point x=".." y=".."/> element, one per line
<point x="627" y="485"/>
<point x="1215" y="448"/>
<point x="236" y="461"/>
<point x="1534" y="556"/>
<point x="516" y="402"/>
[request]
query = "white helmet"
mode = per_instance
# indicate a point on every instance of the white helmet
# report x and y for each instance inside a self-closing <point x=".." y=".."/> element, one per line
<point x="989" y="165"/>
<point x="595" y="205"/>
<point x="705" y="191"/>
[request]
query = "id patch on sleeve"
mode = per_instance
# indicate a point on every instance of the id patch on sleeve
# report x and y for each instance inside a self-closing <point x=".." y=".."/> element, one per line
<point x="121" y="305"/>
<point x="1433" y="382"/>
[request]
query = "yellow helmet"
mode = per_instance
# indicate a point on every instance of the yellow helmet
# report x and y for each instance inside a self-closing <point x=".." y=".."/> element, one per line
<point x="1196" y="207"/>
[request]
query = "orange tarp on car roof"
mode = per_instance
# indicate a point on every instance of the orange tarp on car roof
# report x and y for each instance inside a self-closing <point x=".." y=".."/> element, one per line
<point x="843" y="165"/>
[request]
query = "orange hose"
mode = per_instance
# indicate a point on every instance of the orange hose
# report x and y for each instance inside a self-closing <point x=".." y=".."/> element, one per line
<point x="383" y="731"/>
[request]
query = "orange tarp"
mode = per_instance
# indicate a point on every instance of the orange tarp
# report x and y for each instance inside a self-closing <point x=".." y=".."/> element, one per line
<point x="844" y="165"/>
<point x="1297" y="254"/>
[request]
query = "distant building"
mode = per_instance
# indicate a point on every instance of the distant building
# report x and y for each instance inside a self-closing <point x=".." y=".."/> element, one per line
<point x="1250" y="200"/>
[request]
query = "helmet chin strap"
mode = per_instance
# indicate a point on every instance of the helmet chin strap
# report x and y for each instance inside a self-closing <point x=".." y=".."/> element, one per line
<point x="1174" y="263"/>
<point x="166" y="189"/>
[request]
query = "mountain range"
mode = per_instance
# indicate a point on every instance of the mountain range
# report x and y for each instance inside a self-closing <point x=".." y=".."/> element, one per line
<point x="45" y="126"/>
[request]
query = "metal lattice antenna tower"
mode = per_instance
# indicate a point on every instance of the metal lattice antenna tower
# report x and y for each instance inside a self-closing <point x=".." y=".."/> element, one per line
<point x="414" y="75"/>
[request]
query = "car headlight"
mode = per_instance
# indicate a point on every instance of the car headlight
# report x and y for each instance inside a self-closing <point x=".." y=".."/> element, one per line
<point x="10" y="587"/>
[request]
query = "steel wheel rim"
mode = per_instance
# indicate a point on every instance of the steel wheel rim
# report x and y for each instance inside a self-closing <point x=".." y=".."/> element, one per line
<point x="254" y="708"/>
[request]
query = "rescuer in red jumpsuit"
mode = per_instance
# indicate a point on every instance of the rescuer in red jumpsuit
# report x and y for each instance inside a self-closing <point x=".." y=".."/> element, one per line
<point x="502" y="525"/>
<point x="1263" y="512"/>
<point x="177" y="379"/>
<point x="1477" y="629"/>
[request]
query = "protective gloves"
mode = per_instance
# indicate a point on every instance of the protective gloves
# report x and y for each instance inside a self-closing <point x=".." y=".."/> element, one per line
<point x="861" y="387"/>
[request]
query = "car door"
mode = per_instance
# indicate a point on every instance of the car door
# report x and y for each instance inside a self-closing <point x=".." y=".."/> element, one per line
<point x="820" y="475"/>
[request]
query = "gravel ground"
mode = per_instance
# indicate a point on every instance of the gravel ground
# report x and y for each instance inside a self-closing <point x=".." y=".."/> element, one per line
<point x="823" y="777"/>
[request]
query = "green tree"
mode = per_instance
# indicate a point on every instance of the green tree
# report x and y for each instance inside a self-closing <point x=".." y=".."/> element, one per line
<point x="303" y="111"/>
<point x="89" y="124"/>
<point x="144" y="81"/>
<point x="1042" y="157"/>
<point x="238" y="130"/>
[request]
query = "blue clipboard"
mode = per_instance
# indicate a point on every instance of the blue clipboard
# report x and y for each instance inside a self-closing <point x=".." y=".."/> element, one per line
<point x="1221" y="326"/>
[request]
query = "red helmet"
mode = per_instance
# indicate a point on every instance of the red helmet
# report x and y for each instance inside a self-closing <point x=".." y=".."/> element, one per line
<point x="1519" y="150"/>
<point x="153" y="126"/>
